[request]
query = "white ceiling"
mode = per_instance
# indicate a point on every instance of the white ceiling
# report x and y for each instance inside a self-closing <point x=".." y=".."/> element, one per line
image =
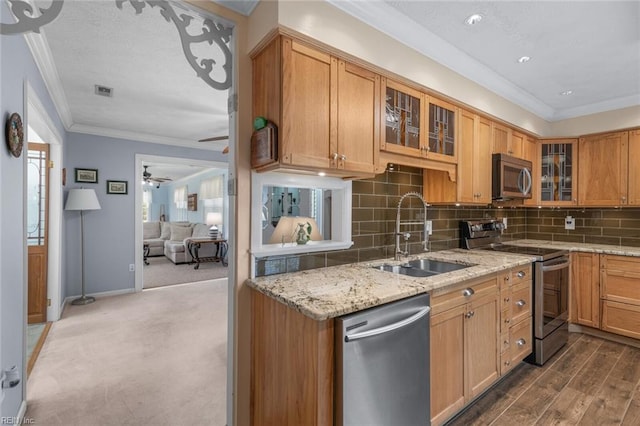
<point x="589" y="47"/>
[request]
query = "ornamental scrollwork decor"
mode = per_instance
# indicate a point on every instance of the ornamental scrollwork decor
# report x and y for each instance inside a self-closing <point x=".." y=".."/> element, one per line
<point x="216" y="75"/>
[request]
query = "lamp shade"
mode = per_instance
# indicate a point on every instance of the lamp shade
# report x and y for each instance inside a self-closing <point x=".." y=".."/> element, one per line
<point x="214" y="218"/>
<point x="288" y="225"/>
<point x="82" y="199"/>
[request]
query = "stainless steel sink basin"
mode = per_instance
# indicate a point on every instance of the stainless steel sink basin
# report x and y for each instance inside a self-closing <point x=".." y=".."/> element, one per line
<point x="405" y="270"/>
<point x="434" y="266"/>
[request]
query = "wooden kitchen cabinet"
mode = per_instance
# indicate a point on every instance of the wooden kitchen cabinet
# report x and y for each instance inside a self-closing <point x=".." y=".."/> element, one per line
<point x="504" y="143"/>
<point x="603" y="170"/>
<point x="584" y="290"/>
<point x="530" y="152"/>
<point x="557" y="172"/>
<point x="464" y="345"/>
<point x="516" y="302"/>
<point x="473" y="185"/>
<point x="634" y="171"/>
<point x="620" y="293"/>
<point x="326" y="109"/>
<point x="404" y="118"/>
<point x="442" y="137"/>
<point x="292" y="366"/>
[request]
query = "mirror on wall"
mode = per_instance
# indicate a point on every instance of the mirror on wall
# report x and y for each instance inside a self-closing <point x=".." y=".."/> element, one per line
<point x="299" y="214"/>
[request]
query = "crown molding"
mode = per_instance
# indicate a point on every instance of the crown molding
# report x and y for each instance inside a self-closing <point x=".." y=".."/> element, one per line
<point x="41" y="53"/>
<point x="608" y="105"/>
<point x="143" y="137"/>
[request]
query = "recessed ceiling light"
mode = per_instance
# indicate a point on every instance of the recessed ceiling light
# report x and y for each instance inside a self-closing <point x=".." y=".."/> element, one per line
<point x="524" y="59"/>
<point x="473" y="19"/>
<point x="567" y="93"/>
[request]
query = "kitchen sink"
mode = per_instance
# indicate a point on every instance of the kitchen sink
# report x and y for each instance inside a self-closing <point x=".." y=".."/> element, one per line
<point x="435" y="266"/>
<point x="405" y="270"/>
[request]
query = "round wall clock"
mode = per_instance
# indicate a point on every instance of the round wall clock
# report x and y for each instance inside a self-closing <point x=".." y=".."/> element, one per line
<point x="15" y="134"/>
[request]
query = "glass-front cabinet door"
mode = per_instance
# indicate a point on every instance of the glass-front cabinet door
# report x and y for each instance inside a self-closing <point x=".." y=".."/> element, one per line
<point x="442" y="131"/>
<point x="558" y="172"/>
<point x="403" y="119"/>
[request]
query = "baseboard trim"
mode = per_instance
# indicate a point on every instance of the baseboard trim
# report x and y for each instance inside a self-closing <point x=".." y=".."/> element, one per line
<point x="68" y="299"/>
<point x="21" y="412"/>
<point x="576" y="328"/>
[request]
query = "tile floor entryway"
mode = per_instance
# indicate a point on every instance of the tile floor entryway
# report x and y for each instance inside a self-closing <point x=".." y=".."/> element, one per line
<point x="590" y="382"/>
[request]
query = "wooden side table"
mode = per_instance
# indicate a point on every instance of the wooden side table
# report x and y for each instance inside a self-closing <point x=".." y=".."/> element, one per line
<point x="195" y="244"/>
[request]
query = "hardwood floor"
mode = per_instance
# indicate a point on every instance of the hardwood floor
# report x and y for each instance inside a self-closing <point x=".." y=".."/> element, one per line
<point x="591" y="381"/>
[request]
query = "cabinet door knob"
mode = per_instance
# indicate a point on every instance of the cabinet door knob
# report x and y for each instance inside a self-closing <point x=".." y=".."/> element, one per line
<point x="521" y="342"/>
<point x="507" y="363"/>
<point x="468" y="292"/>
<point x="343" y="157"/>
<point x="521" y="274"/>
<point x="507" y="278"/>
<point x="470" y="314"/>
<point x="624" y="199"/>
<point x="334" y="156"/>
<point x="507" y="320"/>
<point x="521" y="303"/>
<point x="507" y="299"/>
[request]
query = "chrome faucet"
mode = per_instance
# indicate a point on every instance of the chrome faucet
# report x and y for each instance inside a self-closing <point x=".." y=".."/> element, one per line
<point x="406" y="235"/>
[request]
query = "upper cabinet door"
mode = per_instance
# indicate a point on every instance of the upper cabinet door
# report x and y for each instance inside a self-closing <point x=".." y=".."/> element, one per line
<point x="557" y="172"/>
<point x="502" y="139"/>
<point x="403" y="119"/>
<point x="603" y="170"/>
<point x="516" y="147"/>
<point x="634" y="172"/>
<point x="441" y="143"/>
<point x="308" y="85"/>
<point x="358" y="118"/>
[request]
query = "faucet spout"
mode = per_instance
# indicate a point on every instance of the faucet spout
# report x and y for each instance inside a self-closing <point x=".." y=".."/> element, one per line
<point x="407" y="235"/>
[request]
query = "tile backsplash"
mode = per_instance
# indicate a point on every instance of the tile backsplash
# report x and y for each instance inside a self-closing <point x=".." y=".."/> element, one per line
<point x="374" y="209"/>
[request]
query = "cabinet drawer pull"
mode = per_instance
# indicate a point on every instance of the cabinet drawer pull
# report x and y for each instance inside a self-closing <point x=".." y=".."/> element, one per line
<point x="521" y="303"/>
<point x="343" y="157"/>
<point x="521" y="342"/>
<point x="507" y="363"/>
<point x="334" y="157"/>
<point x="470" y="314"/>
<point x="507" y="299"/>
<point x="521" y="274"/>
<point x="468" y="292"/>
<point x="506" y="278"/>
<point x="507" y="320"/>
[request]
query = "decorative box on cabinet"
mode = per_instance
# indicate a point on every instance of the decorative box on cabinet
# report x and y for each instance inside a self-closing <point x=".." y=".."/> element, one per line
<point x="326" y="109"/>
<point x="464" y="345"/>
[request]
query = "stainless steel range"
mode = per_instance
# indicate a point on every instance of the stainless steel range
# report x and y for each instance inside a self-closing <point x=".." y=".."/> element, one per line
<point x="550" y="284"/>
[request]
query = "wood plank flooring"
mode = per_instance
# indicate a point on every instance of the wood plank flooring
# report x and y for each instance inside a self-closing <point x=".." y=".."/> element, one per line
<point x="591" y="381"/>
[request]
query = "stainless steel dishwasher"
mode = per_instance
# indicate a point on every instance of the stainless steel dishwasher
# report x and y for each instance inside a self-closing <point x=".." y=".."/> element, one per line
<point x="382" y="365"/>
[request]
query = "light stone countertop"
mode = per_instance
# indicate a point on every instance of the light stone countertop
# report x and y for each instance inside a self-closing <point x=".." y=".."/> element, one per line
<point x="338" y="290"/>
<point x="583" y="247"/>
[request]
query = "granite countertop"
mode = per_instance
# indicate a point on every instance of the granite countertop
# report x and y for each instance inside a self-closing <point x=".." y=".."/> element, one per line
<point x="333" y="291"/>
<point x="584" y="247"/>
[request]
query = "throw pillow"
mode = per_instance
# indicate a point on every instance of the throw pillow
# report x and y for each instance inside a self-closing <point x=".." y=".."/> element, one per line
<point x="150" y="230"/>
<point x="166" y="231"/>
<point x="179" y="233"/>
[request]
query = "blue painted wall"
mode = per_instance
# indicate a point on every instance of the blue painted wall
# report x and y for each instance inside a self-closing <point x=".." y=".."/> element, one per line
<point x="16" y="68"/>
<point x="109" y="232"/>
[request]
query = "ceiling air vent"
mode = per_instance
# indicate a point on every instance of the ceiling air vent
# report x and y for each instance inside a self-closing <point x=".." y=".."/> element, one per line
<point x="104" y="91"/>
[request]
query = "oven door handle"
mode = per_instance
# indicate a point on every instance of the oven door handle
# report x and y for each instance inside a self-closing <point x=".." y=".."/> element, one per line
<point x="555" y="267"/>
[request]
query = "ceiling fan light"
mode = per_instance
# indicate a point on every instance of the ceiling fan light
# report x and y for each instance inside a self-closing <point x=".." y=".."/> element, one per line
<point x="473" y="19"/>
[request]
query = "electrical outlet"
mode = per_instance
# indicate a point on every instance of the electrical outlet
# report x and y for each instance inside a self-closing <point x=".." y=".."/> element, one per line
<point x="504" y="222"/>
<point x="569" y="223"/>
<point x="430" y="227"/>
<point x="132" y="267"/>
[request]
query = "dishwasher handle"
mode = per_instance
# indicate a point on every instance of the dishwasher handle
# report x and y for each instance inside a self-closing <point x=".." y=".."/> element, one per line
<point x="387" y="328"/>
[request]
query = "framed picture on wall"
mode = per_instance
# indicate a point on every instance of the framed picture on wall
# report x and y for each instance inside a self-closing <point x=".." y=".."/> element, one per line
<point x="192" y="202"/>
<point x="86" y="175"/>
<point x="117" y="187"/>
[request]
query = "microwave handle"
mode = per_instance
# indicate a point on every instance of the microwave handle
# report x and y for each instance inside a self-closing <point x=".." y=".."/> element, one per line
<point x="521" y="181"/>
<point x="529" y="181"/>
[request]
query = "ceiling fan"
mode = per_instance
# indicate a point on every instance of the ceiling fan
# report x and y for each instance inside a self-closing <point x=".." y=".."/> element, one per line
<point x="215" y="139"/>
<point x="147" y="178"/>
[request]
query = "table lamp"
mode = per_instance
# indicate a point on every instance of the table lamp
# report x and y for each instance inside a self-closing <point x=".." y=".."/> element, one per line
<point x="82" y="199"/>
<point x="214" y="219"/>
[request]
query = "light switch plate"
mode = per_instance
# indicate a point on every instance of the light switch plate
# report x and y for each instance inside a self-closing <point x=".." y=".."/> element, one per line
<point x="430" y="227"/>
<point x="569" y="223"/>
<point x="504" y="222"/>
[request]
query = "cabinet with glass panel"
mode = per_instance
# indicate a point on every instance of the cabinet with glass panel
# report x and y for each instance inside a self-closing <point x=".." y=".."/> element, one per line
<point x="442" y="134"/>
<point x="558" y="172"/>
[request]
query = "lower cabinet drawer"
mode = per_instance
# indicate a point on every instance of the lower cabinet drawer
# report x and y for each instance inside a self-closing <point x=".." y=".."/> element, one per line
<point x="621" y="318"/>
<point x="516" y="345"/>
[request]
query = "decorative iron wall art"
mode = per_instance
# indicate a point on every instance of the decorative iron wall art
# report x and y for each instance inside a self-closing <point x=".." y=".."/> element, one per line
<point x="215" y="73"/>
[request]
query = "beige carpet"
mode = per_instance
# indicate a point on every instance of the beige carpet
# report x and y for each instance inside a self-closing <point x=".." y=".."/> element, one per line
<point x="162" y="272"/>
<point x="152" y="358"/>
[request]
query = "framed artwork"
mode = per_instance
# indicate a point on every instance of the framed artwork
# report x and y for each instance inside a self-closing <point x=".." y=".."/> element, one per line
<point x="15" y="134"/>
<point x="192" y="202"/>
<point x="117" y="187"/>
<point x="86" y="175"/>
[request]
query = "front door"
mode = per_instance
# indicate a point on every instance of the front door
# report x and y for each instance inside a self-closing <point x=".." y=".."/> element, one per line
<point x="37" y="223"/>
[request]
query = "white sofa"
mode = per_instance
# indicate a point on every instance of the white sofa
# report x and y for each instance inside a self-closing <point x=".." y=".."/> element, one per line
<point x="171" y="238"/>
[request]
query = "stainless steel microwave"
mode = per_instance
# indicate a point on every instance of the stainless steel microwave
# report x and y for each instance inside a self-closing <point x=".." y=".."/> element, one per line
<point x="511" y="178"/>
